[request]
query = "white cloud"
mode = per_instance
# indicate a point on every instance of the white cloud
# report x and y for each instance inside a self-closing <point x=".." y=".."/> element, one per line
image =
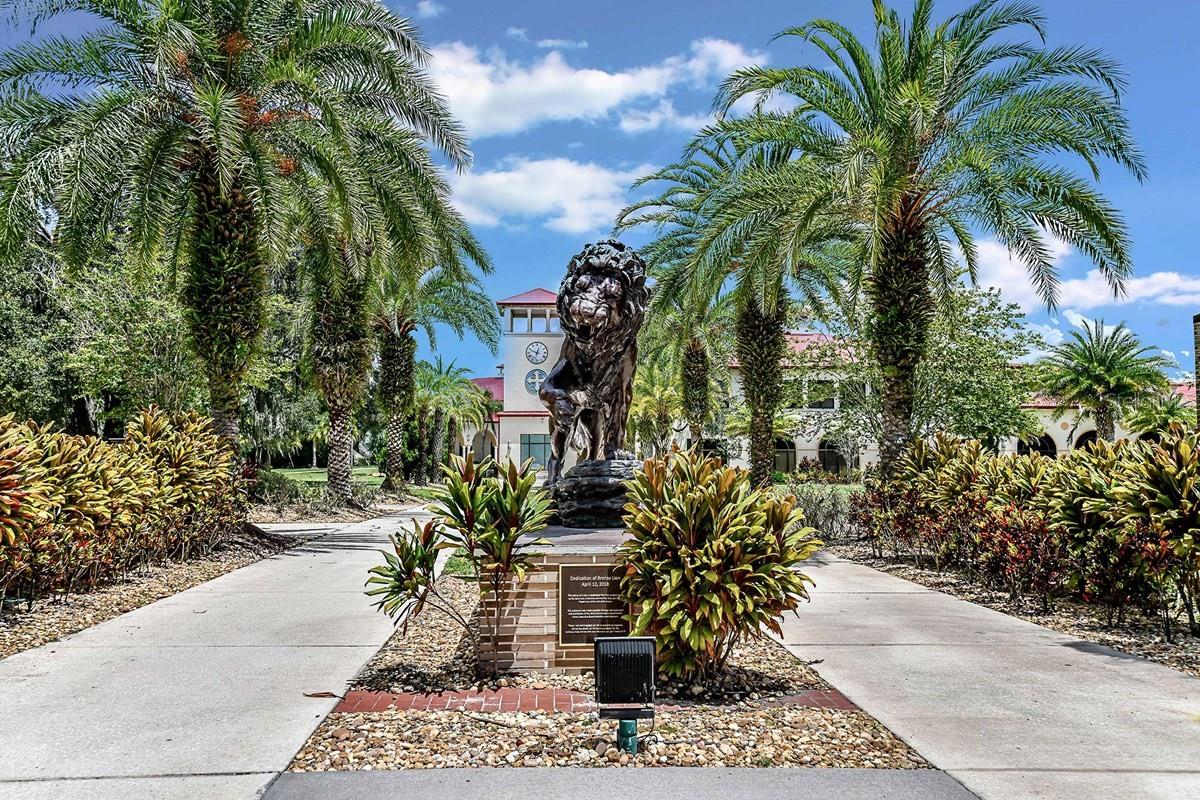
<point x="562" y="44"/>
<point x="664" y="115"/>
<point x="573" y="197"/>
<point x="494" y="95"/>
<point x="428" y="9"/>
<point x="1000" y="269"/>
<point x="1050" y="333"/>
<point x="1075" y="318"/>
<point x="520" y="34"/>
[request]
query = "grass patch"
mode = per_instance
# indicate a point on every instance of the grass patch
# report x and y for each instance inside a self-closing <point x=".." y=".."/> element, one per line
<point x="367" y="476"/>
<point x="459" y="565"/>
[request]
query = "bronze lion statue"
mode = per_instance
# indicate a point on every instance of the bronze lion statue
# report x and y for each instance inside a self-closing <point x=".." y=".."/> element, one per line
<point x="601" y="304"/>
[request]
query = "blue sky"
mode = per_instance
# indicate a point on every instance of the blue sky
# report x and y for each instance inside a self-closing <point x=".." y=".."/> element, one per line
<point x="567" y="101"/>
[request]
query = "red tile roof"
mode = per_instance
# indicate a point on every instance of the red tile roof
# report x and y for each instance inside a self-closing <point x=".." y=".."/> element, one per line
<point x="534" y="297"/>
<point x="800" y="342"/>
<point x="493" y="386"/>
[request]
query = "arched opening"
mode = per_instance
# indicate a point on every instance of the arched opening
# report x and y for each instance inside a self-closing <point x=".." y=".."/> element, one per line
<point x="1042" y="444"/>
<point x="831" y="458"/>
<point x="1084" y="439"/>
<point x="483" y="445"/>
<point x="785" y="456"/>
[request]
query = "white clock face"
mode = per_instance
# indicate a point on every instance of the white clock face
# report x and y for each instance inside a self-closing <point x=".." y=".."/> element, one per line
<point x="536" y="352"/>
<point x="533" y="380"/>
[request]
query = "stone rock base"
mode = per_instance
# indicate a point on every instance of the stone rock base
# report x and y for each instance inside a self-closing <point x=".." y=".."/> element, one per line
<point x="592" y="493"/>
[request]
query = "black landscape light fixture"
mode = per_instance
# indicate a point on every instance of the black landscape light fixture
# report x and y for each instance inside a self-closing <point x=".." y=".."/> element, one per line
<point x="625" y="672"/>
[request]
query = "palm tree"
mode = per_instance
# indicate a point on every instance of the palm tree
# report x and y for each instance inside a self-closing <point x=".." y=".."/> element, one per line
<point x="655" y="406"/>
<point x="445" y="398"/>
<point x="191" y="128"/>
<point x="1153" y="416"/>
<point x="1103" y="372"/>
<point x="938" y="130"/>
<point x="695" y="262"/>
<point x="403" y="304"/>
<point x="694" y="332"/>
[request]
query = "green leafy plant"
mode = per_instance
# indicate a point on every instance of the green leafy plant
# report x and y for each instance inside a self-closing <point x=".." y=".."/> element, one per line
<point x="710" y="560"/>
<point x="484" y="513"/>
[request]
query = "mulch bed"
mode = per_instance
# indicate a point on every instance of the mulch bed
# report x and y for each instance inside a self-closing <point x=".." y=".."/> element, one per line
<point x="51" y="619"/>
<point x="770" y="709"/>
<point x="1139" y="635"/>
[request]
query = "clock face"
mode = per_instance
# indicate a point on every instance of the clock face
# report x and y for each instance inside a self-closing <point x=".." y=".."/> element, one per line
<point x="533" y="380"/>
<point x="536" y="352"/>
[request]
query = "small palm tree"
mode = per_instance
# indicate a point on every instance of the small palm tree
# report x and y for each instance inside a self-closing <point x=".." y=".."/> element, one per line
<point x="445" y="399"/>
<point x="404" y="304"/>
<point x="1153" y="416"/>
<point x="655" y="406"/>
<point x="1103" y="372"/>
<point x="695" y="332"/>
<point x="941" y="129"/>
<point x="192" y="128"/>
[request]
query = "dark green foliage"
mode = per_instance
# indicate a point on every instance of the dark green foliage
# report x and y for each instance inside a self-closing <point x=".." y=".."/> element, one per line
<point x="761" y="345"/>
<point x="709" y="561"/>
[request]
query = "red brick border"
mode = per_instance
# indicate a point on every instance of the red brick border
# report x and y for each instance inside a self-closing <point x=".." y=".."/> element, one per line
<point x="516" y="699"/>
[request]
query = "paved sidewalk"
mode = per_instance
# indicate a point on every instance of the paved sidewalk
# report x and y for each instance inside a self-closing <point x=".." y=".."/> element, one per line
<point x="661" y="783"/>
<point x="1011" y="709"/>
<point x="199" y="695"/>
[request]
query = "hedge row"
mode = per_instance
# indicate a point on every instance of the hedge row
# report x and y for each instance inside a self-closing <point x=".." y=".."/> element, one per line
<point x="76" y="511"/>
<point x="1113" y="524"/>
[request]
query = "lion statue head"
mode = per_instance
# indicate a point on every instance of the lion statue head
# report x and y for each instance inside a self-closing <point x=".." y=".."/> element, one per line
<point x="603" y="294"/>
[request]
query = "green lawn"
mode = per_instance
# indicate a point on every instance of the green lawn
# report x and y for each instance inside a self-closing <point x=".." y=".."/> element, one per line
<point x="369" y="476"/>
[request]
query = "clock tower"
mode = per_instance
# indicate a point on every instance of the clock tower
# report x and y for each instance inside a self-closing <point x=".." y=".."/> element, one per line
<point x="531" y="341"/>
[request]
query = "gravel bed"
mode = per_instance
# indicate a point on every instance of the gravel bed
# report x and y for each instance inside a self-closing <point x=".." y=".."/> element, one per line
<point x="1139" y="635"/>
<point x="699" y="736"/>
<point x="51" y="619"/>
<point x="435" y="655"/>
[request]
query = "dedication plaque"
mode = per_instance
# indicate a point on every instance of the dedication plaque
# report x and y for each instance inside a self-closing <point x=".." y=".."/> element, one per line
<point x="589" y="603"/>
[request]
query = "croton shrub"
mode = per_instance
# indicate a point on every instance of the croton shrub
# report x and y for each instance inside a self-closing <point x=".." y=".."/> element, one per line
<point x="76" y="510"/>
<point x="709" y="560"/>
<point x="1112" y="524"/>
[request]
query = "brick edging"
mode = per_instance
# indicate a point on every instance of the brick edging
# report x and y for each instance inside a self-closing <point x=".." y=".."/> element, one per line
<point x="558" y="700"/>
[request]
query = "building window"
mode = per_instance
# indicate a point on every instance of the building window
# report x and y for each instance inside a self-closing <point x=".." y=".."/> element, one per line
<point x="820" y="394"/>
<point x="537" y="447"/>
<point x="831" y="457"/>
<point x="555" y="325"/>
<point x="785" y="456"/>
<point x="1042" y="444"/>
<point x="1084" y="439"/>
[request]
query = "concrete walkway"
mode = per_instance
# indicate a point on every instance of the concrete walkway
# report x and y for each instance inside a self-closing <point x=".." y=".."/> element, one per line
<point x="664" y="783"/>
<point x="199" y="695"/>
<point x="1011" y="709"/>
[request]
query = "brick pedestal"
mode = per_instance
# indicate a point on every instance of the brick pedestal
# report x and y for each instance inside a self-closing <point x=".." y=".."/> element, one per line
<point x="528" y="640"/>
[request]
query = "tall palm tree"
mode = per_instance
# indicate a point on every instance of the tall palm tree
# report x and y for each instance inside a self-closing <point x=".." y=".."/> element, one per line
<point x="1103" y="372"/>
<point x="184" y="124"/>
<point x="447" y="295"/>
<point x="939" y="129"/>
<point x="445" y="398"/>
<point x="695" y="262"/>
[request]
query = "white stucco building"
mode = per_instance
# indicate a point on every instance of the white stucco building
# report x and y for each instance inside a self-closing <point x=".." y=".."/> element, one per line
<point x="530" y="345"/>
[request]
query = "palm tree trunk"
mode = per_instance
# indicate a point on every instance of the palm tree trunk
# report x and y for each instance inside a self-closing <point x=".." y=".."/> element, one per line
<point x="397" y="371"/>
<point x="340" y="444"/>
<point x="224" y="293"/>
<point x="393" y="466"/>
<point x="760" y="346"/>
<point x="903" y="310"/>
<point x="421" y="467"/>
<point x="437" y="444"/>
<point x="1106" y="422"/>
<point x="694" y="379"/>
